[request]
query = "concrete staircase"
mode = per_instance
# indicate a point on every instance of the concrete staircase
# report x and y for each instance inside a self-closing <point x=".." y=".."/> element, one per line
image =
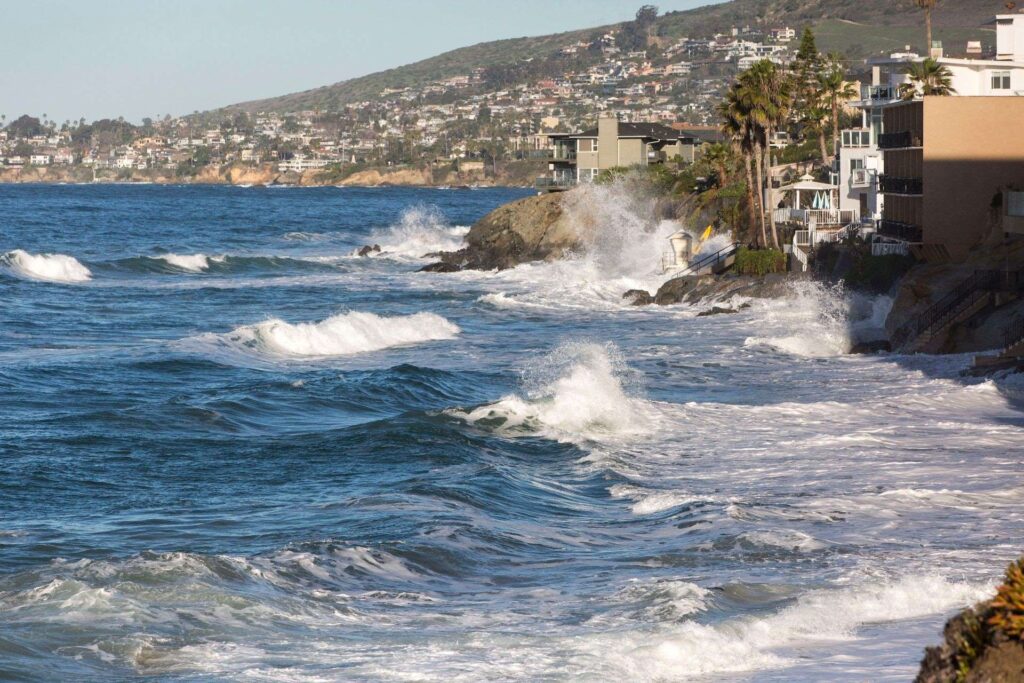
<point x="927" y="332"/>
<point x="1012" y="353"/>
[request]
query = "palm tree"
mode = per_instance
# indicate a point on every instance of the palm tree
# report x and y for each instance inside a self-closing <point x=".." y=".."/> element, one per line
<point x="816" y="120"/>
<point x="835" y="89"/>
<point x="928" y="78"/>
<point x="738" y="129"/>
<point x="719" y="158"/>
<point x="927" y="6"/>
<point x="769" y="95"/>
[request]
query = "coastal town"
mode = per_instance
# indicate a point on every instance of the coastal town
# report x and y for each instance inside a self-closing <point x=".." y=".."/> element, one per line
<point x="471" y="122"/>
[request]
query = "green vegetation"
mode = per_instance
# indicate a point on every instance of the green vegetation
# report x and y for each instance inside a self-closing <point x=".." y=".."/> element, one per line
<point x="877" y="274"/>
<point x="760" y="261"/>
<point x="1008" y="605"/>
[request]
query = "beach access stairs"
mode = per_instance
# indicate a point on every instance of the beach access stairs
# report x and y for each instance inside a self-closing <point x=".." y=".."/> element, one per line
<point x="711" y="264"/>
<point x="928" y="331"/>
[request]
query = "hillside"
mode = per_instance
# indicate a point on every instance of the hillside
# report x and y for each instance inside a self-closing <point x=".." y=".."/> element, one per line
<point x="857" y="28"/>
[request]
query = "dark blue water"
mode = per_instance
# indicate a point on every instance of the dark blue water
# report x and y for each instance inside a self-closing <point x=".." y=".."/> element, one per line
<point x="233" y="449"/>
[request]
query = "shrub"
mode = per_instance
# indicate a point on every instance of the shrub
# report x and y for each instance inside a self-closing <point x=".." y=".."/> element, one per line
<point x="760" y="261"/>
<point x="1008" y="605"/>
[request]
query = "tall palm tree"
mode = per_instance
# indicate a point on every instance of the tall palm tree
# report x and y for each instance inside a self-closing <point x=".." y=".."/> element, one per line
<point x="769" y="96"/>
<point x="816" y="120"/>
<point x="928" y="78"/>
<point x="835" y="90"/>
<point x="737" y="127"/>
<point x="928" y="6"/>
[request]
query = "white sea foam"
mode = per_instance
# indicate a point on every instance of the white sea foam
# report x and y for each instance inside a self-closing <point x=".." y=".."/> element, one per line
<point x="758" y="643"/>
<point x="193" y="263"/>
<point x="45" y="267"/>
<point x="579" y="391"/>
<point x="814" y="319"/>
<point x="421" y="230"/>
<point x="339" y="335"/>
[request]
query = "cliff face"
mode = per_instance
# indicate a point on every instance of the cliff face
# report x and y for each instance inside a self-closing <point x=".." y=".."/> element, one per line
<point x="541" y="228"/>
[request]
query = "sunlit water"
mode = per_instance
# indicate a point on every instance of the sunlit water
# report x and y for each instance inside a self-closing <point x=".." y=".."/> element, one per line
<point x="231" y="449"/>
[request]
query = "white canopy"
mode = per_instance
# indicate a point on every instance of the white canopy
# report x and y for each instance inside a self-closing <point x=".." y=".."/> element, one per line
<point x="806" y="183"/>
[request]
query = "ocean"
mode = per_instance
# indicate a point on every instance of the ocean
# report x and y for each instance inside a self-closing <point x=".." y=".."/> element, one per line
<point x="232" y="449"/>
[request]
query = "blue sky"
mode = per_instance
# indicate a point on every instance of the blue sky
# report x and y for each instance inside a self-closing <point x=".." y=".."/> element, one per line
<point x="136" y="58"/>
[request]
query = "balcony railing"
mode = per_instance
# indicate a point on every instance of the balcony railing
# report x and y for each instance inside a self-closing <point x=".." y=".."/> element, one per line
<point x="549" y="183"/>
<point x="874" y="93"/>
<point x="562" y="154"/>
<point x="889" y="185"/>
<point x="900" y="140"/>
<point x="902" y="231"/>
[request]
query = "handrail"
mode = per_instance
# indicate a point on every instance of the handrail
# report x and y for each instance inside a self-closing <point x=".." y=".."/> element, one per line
<point x="1013" y="334"/>
<point x="709" y="260"/>
<point x="968" y="291"/>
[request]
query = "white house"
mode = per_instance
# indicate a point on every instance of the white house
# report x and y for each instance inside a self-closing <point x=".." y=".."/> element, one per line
<point x="39" y="159"/>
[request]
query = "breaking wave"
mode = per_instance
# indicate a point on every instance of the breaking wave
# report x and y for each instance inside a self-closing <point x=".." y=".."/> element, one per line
<point x="45" y="267"/>
<point x="579" y="391"/>
<point x="340" y="335"/>
<point x="420" y="231"/>
<point x="193" y="263"/>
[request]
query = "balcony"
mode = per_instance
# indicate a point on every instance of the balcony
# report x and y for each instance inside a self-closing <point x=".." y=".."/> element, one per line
<point x="564" y="154"/>
<point x="901" y="231"/>
<point x="860" y="177"/>
<point x="549" y="184"/>
<point x="909" y="186"/>
<point x="902" y="140"/>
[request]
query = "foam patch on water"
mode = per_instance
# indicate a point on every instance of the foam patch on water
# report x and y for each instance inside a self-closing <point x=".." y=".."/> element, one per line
<point x="45" y="267"/>
<point x="339" y="335"/>
<point x="753" y="644"/>
<point x="815" y="318"/>
<point x="193" y="263"/>
<point x="579" y="391"/>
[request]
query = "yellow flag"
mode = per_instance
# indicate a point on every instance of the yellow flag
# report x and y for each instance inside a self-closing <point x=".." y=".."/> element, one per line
<point x="707" y="233"/>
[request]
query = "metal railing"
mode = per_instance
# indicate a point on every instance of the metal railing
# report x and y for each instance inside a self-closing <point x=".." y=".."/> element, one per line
<point x="890" y="185"/>
<point x="899" y="140"/>
<point x="709" y="260"/>
<point x="904" y="231"/>
<point x="877" y="92"/>
<point x="890" y="249"/>
<point x="1013" y="334"/>
<point x="549" y="183"/>
<point x="946" y="309"/>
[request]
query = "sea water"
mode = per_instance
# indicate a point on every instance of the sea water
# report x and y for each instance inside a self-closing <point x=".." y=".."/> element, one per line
<point x="233" y="449"/>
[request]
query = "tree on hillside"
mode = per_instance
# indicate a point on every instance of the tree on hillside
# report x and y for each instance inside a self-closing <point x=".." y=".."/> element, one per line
<point x="815" y="120"/>
<point x="928" y="78"/>
<point x="738" y="128"/>
<point x="806" y="67"/>
<point x="25" y="126"/>
<point x="928" y="6"/>
<point x="634" y="34"/>
<point x="835" y="90"/>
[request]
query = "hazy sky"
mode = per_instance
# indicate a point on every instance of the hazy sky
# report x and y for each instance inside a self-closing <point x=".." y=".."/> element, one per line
<point x="136" y="58"/>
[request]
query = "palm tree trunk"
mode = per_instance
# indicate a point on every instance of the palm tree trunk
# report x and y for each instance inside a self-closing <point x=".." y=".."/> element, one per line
<point x="759" y="163"/>
<point x="928" y="32"/>
<point x="767" y="189"/>
<point x="823" y="144"/>
<point x="835" y="126"/>
<point x="751" y="200"/>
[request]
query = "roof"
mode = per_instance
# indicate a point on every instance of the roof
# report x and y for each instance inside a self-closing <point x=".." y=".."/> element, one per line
<point x="652" y="131"/>
<point x="807" y="183"/>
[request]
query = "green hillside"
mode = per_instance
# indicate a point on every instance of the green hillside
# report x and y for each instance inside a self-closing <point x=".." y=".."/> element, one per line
<point x="857" y="28"/>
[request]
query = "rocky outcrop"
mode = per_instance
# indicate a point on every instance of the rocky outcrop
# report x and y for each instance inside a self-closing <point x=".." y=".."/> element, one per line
<point x="376" y="178"/>
<point x="982" y="644"/>
<point x="696" y="288"/>
<point x="541" y="228"/>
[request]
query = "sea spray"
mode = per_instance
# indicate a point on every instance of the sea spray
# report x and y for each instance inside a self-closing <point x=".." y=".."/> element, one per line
<point x="580" y="391"/>
<point x="814" y="320"/>
<point x="340" y="335"/>
<point x="45" y="267"/>
<point x="421" y="231"/>
<point x="192" y="263"/>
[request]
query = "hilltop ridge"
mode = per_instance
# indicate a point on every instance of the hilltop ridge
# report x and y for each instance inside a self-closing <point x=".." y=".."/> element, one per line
<point x="857" y="28"/>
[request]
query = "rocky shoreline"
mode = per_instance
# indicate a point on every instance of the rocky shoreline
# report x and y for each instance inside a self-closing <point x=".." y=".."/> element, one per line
<point x="263" y="175"/>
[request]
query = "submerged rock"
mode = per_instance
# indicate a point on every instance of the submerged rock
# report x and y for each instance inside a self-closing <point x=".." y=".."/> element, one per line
<point x="716" y="310"/>
<point x="368" y="249"/>
<point x="875" y="346"/>
<point x="695" y="288"/>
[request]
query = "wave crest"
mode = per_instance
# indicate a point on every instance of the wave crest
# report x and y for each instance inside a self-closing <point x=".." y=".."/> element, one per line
<point x="193" y="263"/>
<point x="45" y="267"/>
<point x="340" y="335"/>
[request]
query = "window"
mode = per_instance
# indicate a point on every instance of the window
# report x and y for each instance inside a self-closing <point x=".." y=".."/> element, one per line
<point x="1015" y="203"/>
<point x="856" y="138"/>
<point x="856" y="164"/>
<point x="1000" y="80"/>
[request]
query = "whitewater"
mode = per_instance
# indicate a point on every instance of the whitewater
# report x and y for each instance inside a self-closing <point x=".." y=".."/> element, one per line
<point x="235" y="449"/>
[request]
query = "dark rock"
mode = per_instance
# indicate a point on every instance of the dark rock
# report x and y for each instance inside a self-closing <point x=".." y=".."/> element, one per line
<point x="440" y="267"/>
<point x="638" y="297"/>
<point x="716" y="310"/>
<point x="875" y="346"/>
<point x="367" y="250"/>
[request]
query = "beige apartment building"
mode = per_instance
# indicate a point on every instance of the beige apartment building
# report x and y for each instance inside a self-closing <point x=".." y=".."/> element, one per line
<point x="580" y="157"/>
<point x="954" y="173"/>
